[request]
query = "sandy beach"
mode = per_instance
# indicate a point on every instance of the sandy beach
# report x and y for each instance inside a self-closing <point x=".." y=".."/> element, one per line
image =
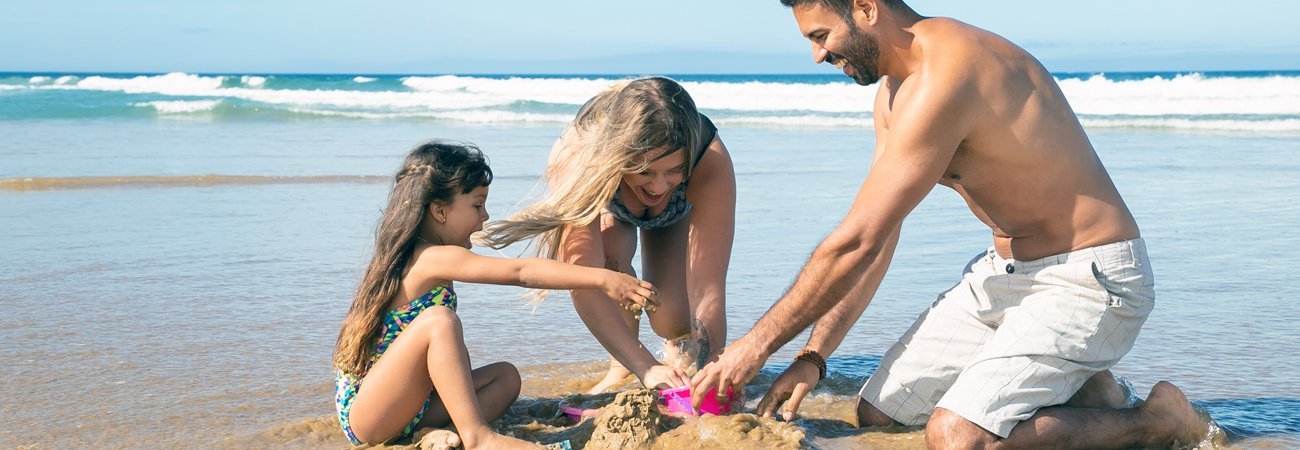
<point x="195" y="304"/>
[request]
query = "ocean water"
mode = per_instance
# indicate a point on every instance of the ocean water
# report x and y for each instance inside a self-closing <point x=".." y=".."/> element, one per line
<point x="177" y="251"/>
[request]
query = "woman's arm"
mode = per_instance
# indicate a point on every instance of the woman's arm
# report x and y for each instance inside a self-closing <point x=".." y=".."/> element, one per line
<point x="712" y="192"/>
<point x="581" y="245"/>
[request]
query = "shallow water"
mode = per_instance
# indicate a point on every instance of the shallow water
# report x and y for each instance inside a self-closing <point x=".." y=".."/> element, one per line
<point x="203" y="315"/>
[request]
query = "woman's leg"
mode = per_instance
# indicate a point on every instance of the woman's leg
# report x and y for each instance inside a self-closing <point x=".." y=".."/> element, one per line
<point x="430" y="354"/>
<point x="619" y="240"/>
<point x="663" y="262"/>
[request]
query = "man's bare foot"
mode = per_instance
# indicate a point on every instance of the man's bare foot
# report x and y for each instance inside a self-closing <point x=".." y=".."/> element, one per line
<point x="1101" y="391"/>
<point x="614" y="379"/>
<point x="437" y="439"/>
<point x="1177" y="422"/>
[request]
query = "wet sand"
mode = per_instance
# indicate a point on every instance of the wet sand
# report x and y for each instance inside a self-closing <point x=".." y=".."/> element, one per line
<point x="631" y="419"/>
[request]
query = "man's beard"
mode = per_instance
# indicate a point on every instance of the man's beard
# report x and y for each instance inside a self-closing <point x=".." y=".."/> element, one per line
<point x="861" y="54"/>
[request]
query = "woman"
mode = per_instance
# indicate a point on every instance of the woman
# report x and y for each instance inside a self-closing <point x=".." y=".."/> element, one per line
<point x="640" y="159"/>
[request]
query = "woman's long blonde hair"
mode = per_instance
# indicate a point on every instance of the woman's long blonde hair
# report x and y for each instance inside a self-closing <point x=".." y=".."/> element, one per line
<point x="612" y="135"/>
<point x="434" y="171"/>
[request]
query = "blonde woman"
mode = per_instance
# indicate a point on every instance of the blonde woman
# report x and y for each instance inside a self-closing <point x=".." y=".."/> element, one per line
<point x="639" y="161"/>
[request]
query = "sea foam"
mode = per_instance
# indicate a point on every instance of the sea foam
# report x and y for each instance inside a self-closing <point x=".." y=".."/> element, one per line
<point x="1171" y="101"/>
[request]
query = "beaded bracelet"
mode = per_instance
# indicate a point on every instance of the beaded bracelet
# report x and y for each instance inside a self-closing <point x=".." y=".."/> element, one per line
<point x="816" y="359"/>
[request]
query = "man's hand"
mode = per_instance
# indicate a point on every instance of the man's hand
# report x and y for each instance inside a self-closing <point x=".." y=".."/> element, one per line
<point x="737" y="364"/>
<point x="790" y="389"/>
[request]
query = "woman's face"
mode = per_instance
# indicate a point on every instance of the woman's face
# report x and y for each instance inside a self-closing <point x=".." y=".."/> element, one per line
<point x="654" y="184"/>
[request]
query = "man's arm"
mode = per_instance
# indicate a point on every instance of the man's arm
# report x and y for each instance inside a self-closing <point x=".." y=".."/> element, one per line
<point x="832" y="327"/>
<point x="929" y="121"/>
<point x="790" y="388"/>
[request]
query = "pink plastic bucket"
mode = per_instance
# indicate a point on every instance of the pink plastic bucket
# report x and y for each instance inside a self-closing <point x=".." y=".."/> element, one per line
<point x="678" y="400"/>
<point x="578" y="414"/>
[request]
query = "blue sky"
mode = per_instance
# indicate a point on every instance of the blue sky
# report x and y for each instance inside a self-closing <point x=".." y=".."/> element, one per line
<point x="603" y="36"/>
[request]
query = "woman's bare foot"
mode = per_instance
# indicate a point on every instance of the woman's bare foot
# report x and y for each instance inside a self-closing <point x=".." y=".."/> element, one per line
<point x="437" y="439"/>
<point x="675" y="354"/>
<point x="1178" y="422"/>
<point x="495" y="440"/>
<point x="614" y="379"/>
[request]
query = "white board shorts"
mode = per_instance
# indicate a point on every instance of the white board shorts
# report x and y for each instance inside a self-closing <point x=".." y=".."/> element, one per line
<point x="1016" y="336"/>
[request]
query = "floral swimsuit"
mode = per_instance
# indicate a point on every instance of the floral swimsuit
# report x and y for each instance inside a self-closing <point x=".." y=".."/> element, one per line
<point x="395" y="321"/>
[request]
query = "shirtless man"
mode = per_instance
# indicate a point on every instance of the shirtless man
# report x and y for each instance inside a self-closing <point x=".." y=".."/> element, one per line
<point x="1054" y="303"/>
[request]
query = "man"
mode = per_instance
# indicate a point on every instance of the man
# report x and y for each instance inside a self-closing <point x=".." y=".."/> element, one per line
<point x="1056" y="301"/>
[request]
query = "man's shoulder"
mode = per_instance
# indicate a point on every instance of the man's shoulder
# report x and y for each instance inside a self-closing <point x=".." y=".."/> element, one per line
<point x="948" y="31"/>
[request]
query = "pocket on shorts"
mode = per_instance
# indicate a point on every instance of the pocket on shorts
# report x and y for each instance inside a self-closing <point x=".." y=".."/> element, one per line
<point x="1097" y="280"/>
<point x="1124" y="286"/>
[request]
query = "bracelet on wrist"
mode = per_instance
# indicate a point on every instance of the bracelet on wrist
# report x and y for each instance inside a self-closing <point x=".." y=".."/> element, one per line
<point x="816" y="359"/>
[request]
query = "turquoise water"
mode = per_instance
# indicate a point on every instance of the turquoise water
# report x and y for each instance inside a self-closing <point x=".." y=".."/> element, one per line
<point x="204" y="314"/>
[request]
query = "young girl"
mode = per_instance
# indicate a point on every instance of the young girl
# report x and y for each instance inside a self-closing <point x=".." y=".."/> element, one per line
<point x="400" y="358"/>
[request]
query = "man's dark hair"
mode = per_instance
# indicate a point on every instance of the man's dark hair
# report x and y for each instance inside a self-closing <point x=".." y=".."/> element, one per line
<point x="842" y="7"/>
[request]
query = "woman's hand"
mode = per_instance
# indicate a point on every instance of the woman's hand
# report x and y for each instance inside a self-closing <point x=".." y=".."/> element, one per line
<point x="660" y="376"/>
<point x="630" y="293"/>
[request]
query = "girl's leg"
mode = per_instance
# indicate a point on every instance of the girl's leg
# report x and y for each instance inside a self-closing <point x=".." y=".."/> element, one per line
<point x="497" y="387"/>
<point x="619" y="240"/>
<point x="429" y="354"/>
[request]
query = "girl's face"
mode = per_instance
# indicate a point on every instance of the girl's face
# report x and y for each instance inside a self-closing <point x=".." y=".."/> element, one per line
<point x="654" y="184"/>
<point x="463" y="217"/>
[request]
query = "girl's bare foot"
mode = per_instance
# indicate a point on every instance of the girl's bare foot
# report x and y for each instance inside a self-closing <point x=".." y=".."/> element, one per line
<point x="437" y="439"/>
<point x="1178" y="422"/>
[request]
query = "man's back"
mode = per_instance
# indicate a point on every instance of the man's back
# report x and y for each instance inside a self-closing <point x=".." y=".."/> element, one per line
<point x="1025" y="166"/>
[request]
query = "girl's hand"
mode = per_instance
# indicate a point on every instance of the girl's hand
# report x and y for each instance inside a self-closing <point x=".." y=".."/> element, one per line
<point x="660" y="376"/>
<point x="629" y="292"/>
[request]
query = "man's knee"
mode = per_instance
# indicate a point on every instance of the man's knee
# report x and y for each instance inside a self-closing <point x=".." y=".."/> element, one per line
<point x="947" y="430"/>
<point x="869" y="416"/>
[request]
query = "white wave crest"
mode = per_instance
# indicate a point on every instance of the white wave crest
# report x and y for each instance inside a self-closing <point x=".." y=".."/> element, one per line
<point x="1181" y="102"/>
<point x="763" y="96"/>
<point x="170" y="84"/>
<point x="361" y="79"/>
<point x="467" y="116"/>
<point x="1192" y="94"/>
<point x="799" y="121"/>
<point x="181" y="106"/>
<point x="40" y="80"/>
<point x="746" y="96"/>
<point x="1280" y="125"/>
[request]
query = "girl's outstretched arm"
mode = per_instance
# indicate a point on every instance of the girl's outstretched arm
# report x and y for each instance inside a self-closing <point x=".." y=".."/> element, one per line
<point x="449" y="262"/>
